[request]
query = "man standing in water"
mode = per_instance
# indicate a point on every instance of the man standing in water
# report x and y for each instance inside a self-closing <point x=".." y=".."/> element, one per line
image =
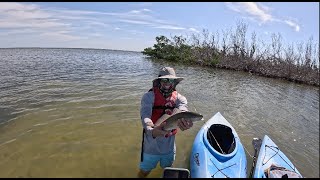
<point x="158" y="145"/>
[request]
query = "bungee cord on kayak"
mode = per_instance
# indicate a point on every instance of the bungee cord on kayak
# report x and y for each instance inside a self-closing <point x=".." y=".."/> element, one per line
<point x="209" y="138"/>
<point x="248" y="152"/>
<point x="273" y="163"/>
<point x="277" y="153"/>
<point x="220" y="170"/>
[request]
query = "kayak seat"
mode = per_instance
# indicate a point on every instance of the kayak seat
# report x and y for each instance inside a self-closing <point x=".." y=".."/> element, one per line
<point x="221" y="138"/>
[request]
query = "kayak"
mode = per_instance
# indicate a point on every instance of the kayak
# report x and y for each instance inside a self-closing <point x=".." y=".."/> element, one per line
<point x="217" y="151"/>
<point x="272" y="162"/>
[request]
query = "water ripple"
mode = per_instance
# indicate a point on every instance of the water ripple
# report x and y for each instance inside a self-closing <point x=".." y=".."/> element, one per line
<point x="65" y="103"/>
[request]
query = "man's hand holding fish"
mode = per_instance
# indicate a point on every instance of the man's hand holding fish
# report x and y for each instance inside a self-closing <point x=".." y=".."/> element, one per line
<point x="184" y="124"/>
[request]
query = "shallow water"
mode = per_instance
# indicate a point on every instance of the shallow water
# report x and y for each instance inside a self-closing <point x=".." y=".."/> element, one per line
<point x="75" y="112"/>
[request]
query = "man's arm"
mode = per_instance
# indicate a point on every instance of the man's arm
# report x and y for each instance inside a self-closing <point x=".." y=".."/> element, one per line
<point x="146" y="111"/>
<point x="182" y="103"/>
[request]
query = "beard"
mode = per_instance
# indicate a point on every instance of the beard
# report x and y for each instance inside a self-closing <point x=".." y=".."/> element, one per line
<point x="166" y="90"/>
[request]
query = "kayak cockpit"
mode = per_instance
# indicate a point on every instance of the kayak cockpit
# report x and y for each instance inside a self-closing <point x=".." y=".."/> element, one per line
<point x="220" y="141"/>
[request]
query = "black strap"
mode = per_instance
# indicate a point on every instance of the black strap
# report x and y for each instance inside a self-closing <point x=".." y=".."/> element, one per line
<point x="141" y="156"/>
<point x="162" y="107"/>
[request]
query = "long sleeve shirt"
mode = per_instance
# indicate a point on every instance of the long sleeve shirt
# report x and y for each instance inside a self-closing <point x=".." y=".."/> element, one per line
<point x="158" y="145"/>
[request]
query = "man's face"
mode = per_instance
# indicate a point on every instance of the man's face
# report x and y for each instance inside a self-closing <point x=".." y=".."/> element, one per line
<point x="167" y="84"/>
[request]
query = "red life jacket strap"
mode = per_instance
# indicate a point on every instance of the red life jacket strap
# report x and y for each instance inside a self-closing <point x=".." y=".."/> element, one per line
<point x="173" y="132"/>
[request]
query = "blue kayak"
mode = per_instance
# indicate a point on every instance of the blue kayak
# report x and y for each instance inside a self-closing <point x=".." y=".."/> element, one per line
<point x="272" y="162"/>
<point x="217" y="151"/>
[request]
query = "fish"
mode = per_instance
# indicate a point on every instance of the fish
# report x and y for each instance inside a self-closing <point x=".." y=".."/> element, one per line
<point x="172" y="120"/>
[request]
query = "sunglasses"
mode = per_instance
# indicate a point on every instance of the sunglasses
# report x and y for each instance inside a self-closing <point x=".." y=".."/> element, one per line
<point x="167" y="80"/>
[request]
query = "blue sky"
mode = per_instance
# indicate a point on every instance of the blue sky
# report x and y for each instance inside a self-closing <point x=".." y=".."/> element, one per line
<point x="134" y="25"/>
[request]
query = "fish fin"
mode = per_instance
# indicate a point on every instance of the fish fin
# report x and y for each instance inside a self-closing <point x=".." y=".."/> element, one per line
<point x="176" y="111"/>
<point x="163" y="118"/>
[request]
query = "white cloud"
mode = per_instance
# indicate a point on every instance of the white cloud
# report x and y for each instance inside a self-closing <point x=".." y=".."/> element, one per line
<point x="19" y="31"/>
<point x="251" y="9"/>
<point x="145" y="4"/>
<point x="292" y="24"/>
<point x="18" y="15"/>
<point x="194" y="30"/>
<point x="147" y="10"/>
<point x="31" y="24"/>
<point x="95" y="23"/>
<point x="95" y="35"/>
<point x="126" y="38"/>
<point x="135" y="21"/>
<point x="60" y="24"/>
<point x="6" y="6"/>
<point x="259" y="12"/>
<point x="61" y="36"/>
<point x="135" y="12"/>
<point x="18" y="12"/>
<point x="134" y="32"/>
<point x="170" y="27"/>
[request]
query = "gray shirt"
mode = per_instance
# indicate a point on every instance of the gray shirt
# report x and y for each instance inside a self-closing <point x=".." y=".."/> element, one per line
<point x="158" y="145"/>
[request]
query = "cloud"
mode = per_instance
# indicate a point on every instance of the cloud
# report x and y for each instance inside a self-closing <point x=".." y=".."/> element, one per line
<point x="135" y="22"/>
<point x="19" y="31"/>
<point x="126" y="38"/>
<point x="71" y="24"/>
<point x="95" y="23"/>
<point x="31" y="15"/>
<point x="135" y="12"/>
<point x="134" y="32"/>
<point x="95" y="34"/>
<point x="252" y="9"/>
<point x="259" y="12"/>
<point x="17" y="15"/>
<point x="144" y="4"/>
<point x="6" y="6"/>
<point x="140" y="11"/>
<point x="194" y="30"/>
<point x="147" y="10"/>
<point x="170" y="27"/>
<point x="31" y="24"/>
<point x="61" y="36"/>
<point x="292" y="24"/>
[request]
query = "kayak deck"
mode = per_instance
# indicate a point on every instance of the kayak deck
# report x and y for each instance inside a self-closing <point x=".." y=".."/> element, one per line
<point x="271" y="157"/>
<point x="217" y="151"/>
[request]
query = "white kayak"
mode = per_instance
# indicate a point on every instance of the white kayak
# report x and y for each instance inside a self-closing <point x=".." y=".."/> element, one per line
<point x="273" y="163"/>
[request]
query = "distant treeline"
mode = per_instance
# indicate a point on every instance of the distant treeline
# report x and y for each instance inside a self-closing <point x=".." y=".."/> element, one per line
<point x="297" y="63"/>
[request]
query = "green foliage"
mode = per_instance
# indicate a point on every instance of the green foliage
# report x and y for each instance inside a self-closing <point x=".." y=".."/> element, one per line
<point x="235" y="56"/>
<point x="215" y="60"/>
<point x="166" y="49"/>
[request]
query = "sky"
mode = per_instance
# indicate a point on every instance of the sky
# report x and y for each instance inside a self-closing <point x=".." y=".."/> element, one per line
<point x="134" y="26"/>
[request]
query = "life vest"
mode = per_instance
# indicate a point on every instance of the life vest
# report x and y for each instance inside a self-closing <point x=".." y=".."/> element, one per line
<point x="163" y="105"/>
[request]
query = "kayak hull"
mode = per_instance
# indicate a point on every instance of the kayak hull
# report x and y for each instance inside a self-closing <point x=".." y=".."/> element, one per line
<point x="270" y="154"/>
<point x="217" y="151"/>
